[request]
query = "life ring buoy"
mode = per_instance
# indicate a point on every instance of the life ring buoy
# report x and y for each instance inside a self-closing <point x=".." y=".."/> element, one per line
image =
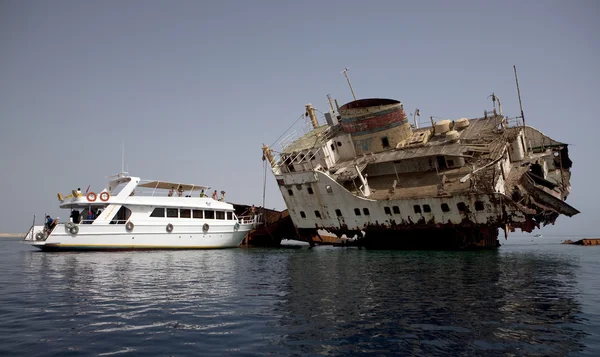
<point x="74" y="230"/>
<point x="104" y="196"/>
<point x="236" y="226"/>
<point x="169" y="228"/>
<point x="129" y="226"/>
<point x="91" y="196"/>
<point x="40" y="236"/>
<point x="69" y="225"/>
<point x="205" y="227"/>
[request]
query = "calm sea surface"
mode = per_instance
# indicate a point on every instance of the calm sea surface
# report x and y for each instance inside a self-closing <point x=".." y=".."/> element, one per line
<point x="534" y="298"/>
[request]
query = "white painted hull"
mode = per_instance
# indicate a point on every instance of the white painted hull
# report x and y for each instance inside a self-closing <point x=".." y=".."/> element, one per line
<point x="116" y="237"/>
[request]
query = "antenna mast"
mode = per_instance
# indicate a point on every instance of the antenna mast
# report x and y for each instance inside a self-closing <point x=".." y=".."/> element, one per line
<point x="521" y="107"/>
<point x="519" y="94"/>
<point x="122" y="157"/>
<point x="345" y="72"/>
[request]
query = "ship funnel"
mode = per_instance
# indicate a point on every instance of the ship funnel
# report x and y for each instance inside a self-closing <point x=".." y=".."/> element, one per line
<point x="375" y="124"/>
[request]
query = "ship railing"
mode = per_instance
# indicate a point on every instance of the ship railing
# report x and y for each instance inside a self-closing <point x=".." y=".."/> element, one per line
<point x="514" y="122"/>
<point x="29" y="235"/>
<point x="249" y="219"/>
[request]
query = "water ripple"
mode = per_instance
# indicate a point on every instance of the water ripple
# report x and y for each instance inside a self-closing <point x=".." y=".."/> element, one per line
<point x="324" y="301"/>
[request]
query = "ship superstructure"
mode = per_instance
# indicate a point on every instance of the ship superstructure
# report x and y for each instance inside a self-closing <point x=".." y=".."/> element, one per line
<point x="369" y="173"/>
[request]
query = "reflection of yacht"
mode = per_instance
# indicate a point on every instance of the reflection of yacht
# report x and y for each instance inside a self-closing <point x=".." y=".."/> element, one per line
<point x="134" y="214"/>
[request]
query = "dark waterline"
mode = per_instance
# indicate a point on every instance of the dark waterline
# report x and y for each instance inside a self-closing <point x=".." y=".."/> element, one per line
<point x="541" y="300"/>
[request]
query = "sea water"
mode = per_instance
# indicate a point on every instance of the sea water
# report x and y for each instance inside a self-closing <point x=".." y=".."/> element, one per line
<point x="528" y="298"/>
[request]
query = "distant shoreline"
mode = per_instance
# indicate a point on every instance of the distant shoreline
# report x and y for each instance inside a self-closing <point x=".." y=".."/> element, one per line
<point x="11" y="235"/>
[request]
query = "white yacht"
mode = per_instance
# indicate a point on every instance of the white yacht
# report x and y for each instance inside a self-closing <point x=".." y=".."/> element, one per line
<point x="134" y="214"/>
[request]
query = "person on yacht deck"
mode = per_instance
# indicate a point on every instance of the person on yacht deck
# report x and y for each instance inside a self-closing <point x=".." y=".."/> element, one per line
<point x="171" y="191"/>
<point x="202" y="194"/>
<point x="180" y="191"/>
<point x="215" y="196"/>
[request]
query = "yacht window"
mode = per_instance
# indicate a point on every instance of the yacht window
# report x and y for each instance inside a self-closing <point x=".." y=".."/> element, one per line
<point x="122" y="216"/>
<point x="198" y="213"/>
<point x="310" y="190"/>
<point x="290" y="192"/>
<point x="357" y="211"/>
<point x="158" y="212"/>
<point x="445" y="207"/>
<point x="299" y="187"/>
<point x="185" y="213"/>
<point x="461" y="207"/>
<point x="417" y="208"/>
<point x="366" y="211"/>
<point x="426" y="208"/>
<point x="172" y="212"/>
<point x="302" y="214"/>
<point x="479" y="206"/>
<point x="220" y="215"/>
<point x="229" y="216"/>
<point x="396" y="209"/>
<point x="209" y="214"/>
<point x="338" y="213"/>
<point x="317" y="214"/>
<point x="387" y="210"/>
<point x="328" y="189"/>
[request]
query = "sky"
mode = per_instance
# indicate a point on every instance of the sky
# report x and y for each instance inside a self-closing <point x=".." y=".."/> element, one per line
<point x="192" y="89"/>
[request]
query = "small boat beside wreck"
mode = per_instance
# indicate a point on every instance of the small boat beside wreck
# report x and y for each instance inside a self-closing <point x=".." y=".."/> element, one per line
<point x="134" y="214"/>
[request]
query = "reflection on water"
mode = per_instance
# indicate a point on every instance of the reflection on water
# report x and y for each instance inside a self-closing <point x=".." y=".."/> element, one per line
<point x="325" y="301"/>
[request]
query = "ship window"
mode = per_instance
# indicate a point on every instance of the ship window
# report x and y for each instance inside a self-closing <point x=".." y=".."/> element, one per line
<point x="198" y="213"/>
<point x="445" y="207"/>
<point x="317" y="214"/>
<point x="172" y="212"/>
<point x="332" y="147"/>
<point x="302" y="214"/>
<point x="209" y="214"/>
<point x="385" y="142"/>
<point x="220" y="215"/>
<point x="426" y="208"/>
<point x="461" y="207"/>
<point x="229" y="216"/>
<point x="417" y="208"/>
<point x="339" y="143"/>
<point x="158" y="212"/>
<point x="366" y="211"/>
<point x="357" y="211"/>
<point x="298" y="187"/>
<point x="396" y="209"/>
<point x="185" y="213"/>
<point x="479" y="205"/>
<point x="338" y="213"/>
<point x="310" y="190"/>
<point x="387" y="210"/>
<point x="450" y="163"/>
<point x="122" y="215"/>
<point x="290" y="192"/>
<point x="328" y="189"/>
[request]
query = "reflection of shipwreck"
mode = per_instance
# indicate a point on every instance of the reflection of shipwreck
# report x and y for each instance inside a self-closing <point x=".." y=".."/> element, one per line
<point x="368" y="173"/>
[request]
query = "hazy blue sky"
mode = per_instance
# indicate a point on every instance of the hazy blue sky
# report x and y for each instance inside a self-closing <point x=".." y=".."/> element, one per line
<point x="193" y="88"/>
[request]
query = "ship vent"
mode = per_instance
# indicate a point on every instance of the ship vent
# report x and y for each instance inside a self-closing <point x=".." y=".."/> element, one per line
<point x="461" y="123"/>
<point x="442" y="127"/>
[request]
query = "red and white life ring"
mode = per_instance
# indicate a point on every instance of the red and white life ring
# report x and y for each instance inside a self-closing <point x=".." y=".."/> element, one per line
<point x="104" y="196"/>
<point x="91" y="196"/>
